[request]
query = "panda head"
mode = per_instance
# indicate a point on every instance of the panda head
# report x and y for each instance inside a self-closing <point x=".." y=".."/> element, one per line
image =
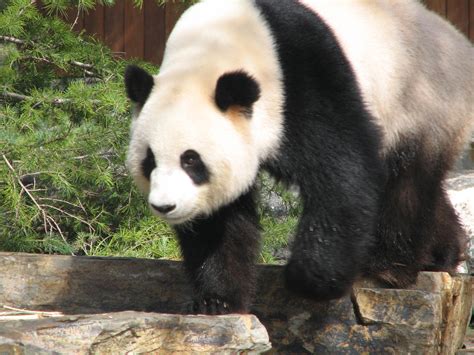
<point x="191" y="149"/>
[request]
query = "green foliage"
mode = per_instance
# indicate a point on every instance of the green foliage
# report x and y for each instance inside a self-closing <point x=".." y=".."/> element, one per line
<point x="64" y="122"/>
<point x="145" y="238"/>
<point x="60" y="6"/>
<point x="275" y="237"/>
<point x="277" y="230"/>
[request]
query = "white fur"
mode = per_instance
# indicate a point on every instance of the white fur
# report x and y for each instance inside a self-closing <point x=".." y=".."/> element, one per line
<point x="416" y="71"/>
<point x="173" y="187"/>
<point x="181" y="114"/>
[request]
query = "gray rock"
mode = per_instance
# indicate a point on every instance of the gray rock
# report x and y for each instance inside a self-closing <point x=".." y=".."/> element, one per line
<point x="467" y="159"/>
<point x="461" y="192"/>
<point x="282" y="255"/>
<point x="136" y="333"/>
<point x="273" y="204"/>
<point x="275" y="200"/>
<point x="427" y="318"/>
<point x="461" y="180"/>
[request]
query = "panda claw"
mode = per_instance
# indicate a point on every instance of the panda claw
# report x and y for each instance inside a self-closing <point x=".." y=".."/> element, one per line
<point x="211" y="306"/>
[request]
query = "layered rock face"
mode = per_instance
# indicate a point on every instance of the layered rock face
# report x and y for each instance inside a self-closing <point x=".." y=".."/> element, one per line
<point x="92" y="294"/>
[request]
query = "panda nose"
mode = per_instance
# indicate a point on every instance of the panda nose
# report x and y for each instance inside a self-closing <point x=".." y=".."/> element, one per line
<point x="164" y="209"/>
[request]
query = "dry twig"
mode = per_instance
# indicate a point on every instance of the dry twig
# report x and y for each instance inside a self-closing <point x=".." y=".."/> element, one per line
<point x="91" y="228"/>
<point x="77" y="18"/>
<point x="13" y="313"/>
<point x="49" y="222"/>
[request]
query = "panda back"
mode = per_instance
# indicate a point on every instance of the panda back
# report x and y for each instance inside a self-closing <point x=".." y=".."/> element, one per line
<point x="415" y="70"/>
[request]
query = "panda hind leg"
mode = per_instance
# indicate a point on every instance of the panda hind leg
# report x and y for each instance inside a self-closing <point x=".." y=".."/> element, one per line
<point x="418" y="227"/>
<point x="401" y="237"/>
<point x="449" y="241"/>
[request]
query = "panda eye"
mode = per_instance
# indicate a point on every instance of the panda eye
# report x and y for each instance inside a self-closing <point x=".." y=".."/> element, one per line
<point x="189" y="159"/>
<point x="193" y="165"/>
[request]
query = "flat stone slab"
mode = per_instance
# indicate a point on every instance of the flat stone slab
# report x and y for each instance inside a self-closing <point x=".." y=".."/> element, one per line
<point x="429" y="318"/>
<point x="135" y="332"/>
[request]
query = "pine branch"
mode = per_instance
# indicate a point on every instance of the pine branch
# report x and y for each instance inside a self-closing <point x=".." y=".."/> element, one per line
<point x="11" y="96"/>
<point x="57" y="139"/>
<point x="9" y="39"/>
<point x="91" y="228"/>
<point x="22" y="44"/>
<point x="64" y="122"/>
<point x="83" y="66"/>
<point x="32" y="2"/>
<point x="47" y="219"/>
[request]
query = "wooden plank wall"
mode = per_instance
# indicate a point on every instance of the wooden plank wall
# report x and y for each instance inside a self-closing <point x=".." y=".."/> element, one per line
<point x="142" y="33"/>
<point x="129" y="31"/>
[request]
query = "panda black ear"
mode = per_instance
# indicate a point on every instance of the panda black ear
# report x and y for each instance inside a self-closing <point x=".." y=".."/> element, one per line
<point x="138" y="84"/>
<point x="236" y="89"/>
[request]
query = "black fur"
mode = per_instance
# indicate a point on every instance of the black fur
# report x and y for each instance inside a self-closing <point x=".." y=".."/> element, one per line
<point x="193" y="166"/>
<point x="138" y="84"/>
<point x="236" y="89"/>
<point x="148" y="164"/>
<point x="219" y="254"/>
<point x="330" y="151"/>
<point x="418" y="227"/>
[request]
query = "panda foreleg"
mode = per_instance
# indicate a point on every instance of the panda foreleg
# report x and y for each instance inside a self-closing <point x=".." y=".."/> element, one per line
<point x="219" y="255"/>
<point x="328" y="254"/>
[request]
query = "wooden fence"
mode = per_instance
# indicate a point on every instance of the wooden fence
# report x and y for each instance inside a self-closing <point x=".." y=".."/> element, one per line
<point x="129" y="31"/>
<point x="142" y="33"/>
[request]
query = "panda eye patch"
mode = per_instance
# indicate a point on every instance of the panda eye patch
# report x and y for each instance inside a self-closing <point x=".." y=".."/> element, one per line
<point x="193" y="165"/>
<point x="148" y="164"/>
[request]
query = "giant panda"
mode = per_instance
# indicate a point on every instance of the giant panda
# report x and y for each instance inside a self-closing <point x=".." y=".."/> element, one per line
<point x="362" y="105"/>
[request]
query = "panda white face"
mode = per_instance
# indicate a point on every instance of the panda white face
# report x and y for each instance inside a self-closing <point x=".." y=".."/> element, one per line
<point x="192" y="154"/>
<point x="211" y="116"/>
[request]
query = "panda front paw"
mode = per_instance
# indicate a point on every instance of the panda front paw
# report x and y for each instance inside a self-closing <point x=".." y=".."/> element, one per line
<point x="212" y="306"/>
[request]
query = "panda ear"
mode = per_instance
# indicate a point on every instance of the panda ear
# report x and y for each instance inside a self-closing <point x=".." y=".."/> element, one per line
<point x="236" y="89"/>
<point x="138" y="84"/>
